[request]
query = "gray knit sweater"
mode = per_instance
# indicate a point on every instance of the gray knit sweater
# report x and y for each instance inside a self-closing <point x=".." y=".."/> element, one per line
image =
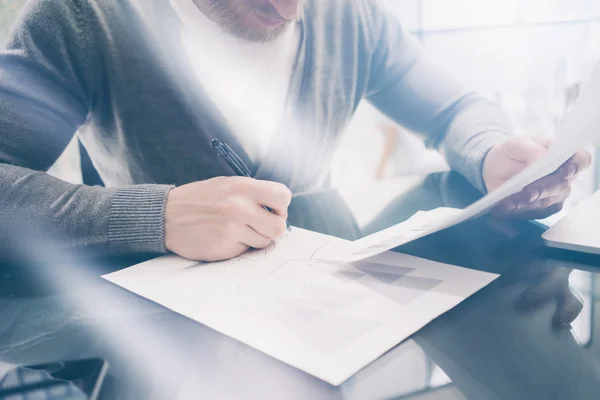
<point x="112" y="72"/>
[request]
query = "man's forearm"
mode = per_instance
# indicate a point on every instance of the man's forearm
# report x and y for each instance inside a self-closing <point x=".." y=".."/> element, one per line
<point x="475" y="125"/>
<point x="42" y="212"/>
<point x="415" y="92"/>
<point x="462" y="125"/>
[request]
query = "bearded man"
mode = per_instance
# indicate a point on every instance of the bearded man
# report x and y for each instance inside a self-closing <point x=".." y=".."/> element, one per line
<point x="146" y="85"/>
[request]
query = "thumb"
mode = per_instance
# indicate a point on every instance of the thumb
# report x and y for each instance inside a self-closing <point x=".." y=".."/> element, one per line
<point x="524" y="149"/>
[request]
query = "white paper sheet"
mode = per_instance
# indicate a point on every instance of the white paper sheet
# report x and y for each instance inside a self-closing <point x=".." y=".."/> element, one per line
<point x="580" y="129"/>
<point x="421" y="224"/>
<point x="328" y="320"/>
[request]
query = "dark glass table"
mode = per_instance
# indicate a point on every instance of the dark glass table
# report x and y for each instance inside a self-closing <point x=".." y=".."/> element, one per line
<point x="528" y="335"/>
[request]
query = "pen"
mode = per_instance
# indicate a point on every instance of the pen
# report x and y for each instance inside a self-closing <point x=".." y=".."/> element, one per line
<point x="236" y="163"/>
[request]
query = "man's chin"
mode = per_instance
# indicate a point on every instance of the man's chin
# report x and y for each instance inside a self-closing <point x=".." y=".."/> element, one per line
<point x="258" y="29"/>
<point x="246" y="22"/>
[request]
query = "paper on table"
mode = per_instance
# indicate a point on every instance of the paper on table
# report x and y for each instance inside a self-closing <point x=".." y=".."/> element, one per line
<point x="580" y="129"/>
<point x="327" y="320"/>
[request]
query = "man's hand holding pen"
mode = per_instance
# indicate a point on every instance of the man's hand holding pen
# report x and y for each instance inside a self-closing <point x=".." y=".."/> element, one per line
<point x="221" y="218"/>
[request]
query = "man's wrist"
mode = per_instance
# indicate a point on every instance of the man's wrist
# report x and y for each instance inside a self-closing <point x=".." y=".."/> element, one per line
<point x="475" y="159"/>
<point x="136" y="220"/>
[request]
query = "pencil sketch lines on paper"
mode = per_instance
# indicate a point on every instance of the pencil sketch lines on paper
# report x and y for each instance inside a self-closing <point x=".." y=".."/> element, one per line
<point x="246" y="259"/>
<point x="221" y="265"/>
<point x="319" y="248"/>
<point x="264" y="253"/>
<point x="271" y="247"/>
<point x="283" y="264"/>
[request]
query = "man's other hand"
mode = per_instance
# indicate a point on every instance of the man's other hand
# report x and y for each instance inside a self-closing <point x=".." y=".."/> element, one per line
<point x="541" y="198"/>
<point x="221" y="218"/>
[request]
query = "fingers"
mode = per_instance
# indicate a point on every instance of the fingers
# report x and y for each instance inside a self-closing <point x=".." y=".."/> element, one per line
<point x="559" y="181"/>
<point x="270" y="194"/>
<point x="538" y="209"/>
<point x="275" y="196"/>
<point x="221" y="218"/>
<point x="267" y="224"/>
<point x="531" y="214"/>
<point x="245" y="212"/>
<point x="216" y="253"/>
<point x="546" y="196"/>
<point x="247" y="209"/>
<point x="579" y="162"/>
<point x="554" y="185"/>
<point x="250" y="238"/>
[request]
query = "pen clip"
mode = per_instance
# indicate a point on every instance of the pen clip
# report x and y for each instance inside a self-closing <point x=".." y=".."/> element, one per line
<point x="227" y="153"/>
<point x="219" y="147"/>
<point x="236" y="159"/>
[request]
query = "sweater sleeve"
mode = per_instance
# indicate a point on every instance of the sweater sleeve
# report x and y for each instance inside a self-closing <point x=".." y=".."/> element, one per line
<point x="418" y="94"/>
<point x="47" y="87"/>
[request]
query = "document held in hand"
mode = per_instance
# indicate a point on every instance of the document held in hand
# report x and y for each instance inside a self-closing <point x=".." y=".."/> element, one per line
<point x="581" y="128"/>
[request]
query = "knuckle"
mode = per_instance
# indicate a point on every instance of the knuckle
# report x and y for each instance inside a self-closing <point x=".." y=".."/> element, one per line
<point x="287" y="194"/>
<point x="531" y="191"/>
<point x="224" y="184"/>
<point x="284" y="195"/>
<point x="232" y="184"/>
<point x="227" y="185"/>
<point x="583" y="158"/>
<point x="545" y="203"/>
<point x="280" y="227"/>
<point x="276" y="228"/>
<point x="245" y="183"/>
<point x="238" y="183"/>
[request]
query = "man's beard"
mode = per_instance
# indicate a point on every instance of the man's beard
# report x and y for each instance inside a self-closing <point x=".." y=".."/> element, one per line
<point x="230" y="18"/>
